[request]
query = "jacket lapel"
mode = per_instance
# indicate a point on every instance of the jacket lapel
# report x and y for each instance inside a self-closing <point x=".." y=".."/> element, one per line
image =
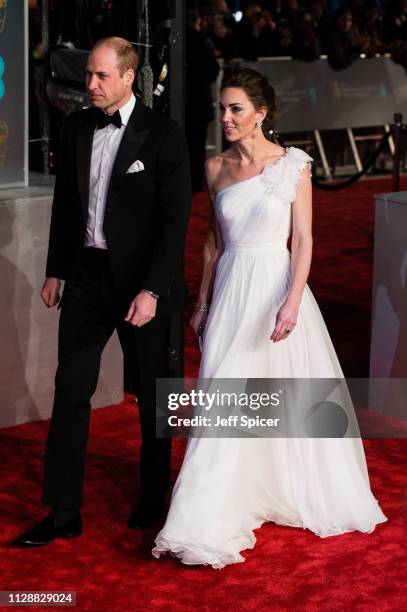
<point x="134" y="135"/>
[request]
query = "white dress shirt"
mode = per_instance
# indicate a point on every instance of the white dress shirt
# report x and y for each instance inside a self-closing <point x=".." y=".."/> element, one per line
<point x="105" y="145"/>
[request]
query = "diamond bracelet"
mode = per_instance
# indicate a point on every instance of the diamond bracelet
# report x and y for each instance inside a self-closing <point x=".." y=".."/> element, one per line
<point x="198" y="307"/>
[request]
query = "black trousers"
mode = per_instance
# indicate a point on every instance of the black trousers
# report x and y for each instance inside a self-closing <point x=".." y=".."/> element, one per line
<point x="90" y="312"/>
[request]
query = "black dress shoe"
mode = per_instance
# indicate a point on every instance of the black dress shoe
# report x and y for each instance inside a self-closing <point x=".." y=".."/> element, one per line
<point x="146" y="514"/>
<point x="47" y="531"/>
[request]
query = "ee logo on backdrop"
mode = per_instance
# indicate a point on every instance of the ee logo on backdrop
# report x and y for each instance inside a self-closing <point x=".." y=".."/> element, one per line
<point x="3" y="124"/>
<point x="2" y="88"/>
<point x="3" y="14"/>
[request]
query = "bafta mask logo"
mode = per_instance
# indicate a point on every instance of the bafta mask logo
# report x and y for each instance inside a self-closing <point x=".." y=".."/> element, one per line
<point x="3" y="141"/>
<point x="337" y="89"/>
<point x="3" y="14"/>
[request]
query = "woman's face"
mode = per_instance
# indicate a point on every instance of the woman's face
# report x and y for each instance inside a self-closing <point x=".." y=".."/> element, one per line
<point x="238" y="114"/>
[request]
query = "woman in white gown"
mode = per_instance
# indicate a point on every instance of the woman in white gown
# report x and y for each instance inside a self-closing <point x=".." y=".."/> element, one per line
<point x="263" y="322"/>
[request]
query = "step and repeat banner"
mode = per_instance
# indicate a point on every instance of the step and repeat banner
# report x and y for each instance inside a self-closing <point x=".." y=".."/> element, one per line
<point x="313" y="96"/>
<point x="13" y="93"/>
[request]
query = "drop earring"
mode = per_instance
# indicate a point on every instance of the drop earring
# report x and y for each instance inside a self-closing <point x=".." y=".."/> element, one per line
<point x="259" y="123"/>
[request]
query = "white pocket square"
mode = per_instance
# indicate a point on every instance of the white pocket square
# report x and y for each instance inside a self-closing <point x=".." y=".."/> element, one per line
<point x="136" y="166"/>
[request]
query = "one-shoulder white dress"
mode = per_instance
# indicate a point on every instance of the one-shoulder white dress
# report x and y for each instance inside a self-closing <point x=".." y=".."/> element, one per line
<point x="227" y="487"/>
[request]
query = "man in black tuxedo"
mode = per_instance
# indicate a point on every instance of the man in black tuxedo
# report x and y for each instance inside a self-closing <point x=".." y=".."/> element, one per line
<point x="119" y="219"/>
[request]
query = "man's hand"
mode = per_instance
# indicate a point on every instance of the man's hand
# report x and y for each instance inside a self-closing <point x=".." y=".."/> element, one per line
<point x="142" y="309"/>
<point x="50" y="292"/>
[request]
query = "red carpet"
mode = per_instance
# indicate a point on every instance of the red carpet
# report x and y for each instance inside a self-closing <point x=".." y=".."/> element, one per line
<point x="110" y="567"/>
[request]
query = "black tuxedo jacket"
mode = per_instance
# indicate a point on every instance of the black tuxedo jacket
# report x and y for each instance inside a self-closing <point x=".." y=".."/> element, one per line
<point x="146" y="213"/>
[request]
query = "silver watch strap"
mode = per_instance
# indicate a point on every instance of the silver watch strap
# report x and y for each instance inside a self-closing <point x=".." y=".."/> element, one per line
<point x="154" y="295"/>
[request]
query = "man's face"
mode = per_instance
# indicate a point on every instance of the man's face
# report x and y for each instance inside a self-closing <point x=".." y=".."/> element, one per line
<point x="106" y="87"/>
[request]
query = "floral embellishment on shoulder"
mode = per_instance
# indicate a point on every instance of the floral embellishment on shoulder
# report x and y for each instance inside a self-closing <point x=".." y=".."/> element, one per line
<point x="271" y="172"/>
<point x="280" y="178"/>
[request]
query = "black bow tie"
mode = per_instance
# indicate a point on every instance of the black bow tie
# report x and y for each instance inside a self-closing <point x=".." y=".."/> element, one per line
<point x="104" y="120"/>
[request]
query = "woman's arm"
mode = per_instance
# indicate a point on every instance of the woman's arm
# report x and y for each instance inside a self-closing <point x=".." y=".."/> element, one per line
<point x="301" y="242"/>
<point x="212" y="249"/>
<point x="301" y="254"/>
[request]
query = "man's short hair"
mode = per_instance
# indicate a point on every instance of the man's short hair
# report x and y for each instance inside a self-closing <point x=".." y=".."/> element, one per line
<point x="127" y="57"/>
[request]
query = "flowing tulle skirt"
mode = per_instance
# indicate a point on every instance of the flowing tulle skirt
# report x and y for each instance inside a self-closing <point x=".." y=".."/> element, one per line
<point x="227" y="487"/>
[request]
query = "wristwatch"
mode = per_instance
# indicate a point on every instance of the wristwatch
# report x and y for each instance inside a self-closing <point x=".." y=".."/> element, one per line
<point x="154" y="295"/>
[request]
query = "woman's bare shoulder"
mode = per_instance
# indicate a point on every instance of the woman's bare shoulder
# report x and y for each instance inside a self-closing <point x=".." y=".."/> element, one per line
<point x="215" y="167"/>
<point x="214" y="164"/>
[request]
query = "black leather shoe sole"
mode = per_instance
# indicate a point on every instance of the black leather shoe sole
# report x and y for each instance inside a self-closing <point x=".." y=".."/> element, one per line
<point x="26" y="541"/>
<point x="46" y="532"/>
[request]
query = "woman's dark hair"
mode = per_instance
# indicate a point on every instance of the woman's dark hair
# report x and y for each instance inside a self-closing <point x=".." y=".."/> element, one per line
<point x="258" y="90"/>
